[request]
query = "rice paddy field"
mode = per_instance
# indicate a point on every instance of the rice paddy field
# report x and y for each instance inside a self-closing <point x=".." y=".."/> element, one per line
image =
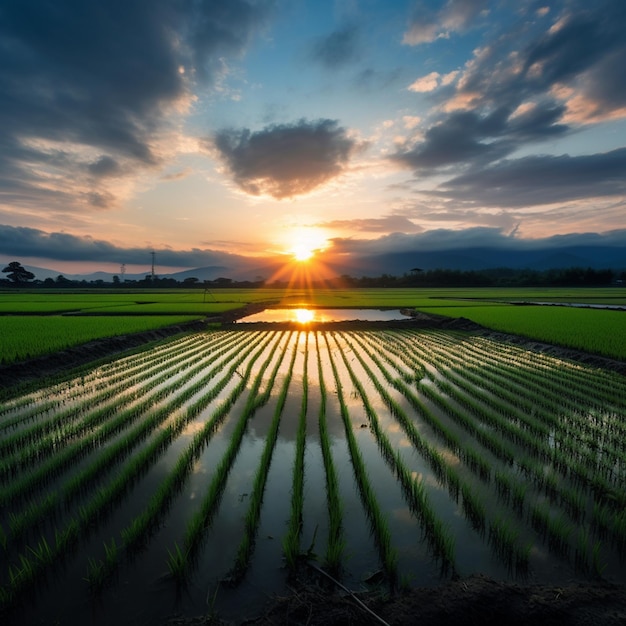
<point x="199" y="475"/>
<point x="203" y="474"/>
<point x="37" y="322"/>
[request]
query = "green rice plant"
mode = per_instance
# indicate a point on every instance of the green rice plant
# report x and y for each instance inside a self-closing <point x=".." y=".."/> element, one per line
<point x="442" y="542"/>
<point x="29" y="337"/>
<point x="505" y="540"/>
<point x="473" y="507"/>
<point x="43" y="553"/>
<point x="336" y="543"/>
<point x="96" y="573"/>
<point x="201" y="520"/>
<point x="177" y="563"/>
<point x="291" y="541"/>
<point x="598" y="565"/>
<point x="582" y="547"/>
<point x="253" y="514"/>
<point x="377" y="520"/>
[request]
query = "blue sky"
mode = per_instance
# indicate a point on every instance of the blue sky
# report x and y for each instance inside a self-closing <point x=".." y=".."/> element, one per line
<point x="209" y="129"/>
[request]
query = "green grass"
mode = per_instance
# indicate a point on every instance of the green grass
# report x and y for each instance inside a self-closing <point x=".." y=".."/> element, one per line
<point x="592" y="330"/>
<point x="30" y="330"/>
<point x="25" y="337"/>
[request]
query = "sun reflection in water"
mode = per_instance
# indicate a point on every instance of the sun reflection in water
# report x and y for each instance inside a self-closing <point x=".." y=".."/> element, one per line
<point x="304" y="316"/>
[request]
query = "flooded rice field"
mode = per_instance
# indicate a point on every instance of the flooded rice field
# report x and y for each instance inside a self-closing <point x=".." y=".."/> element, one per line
<point x="201" y="475"/>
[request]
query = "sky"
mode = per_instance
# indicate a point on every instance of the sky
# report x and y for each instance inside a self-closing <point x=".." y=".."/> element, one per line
<point x="207" y="130"/>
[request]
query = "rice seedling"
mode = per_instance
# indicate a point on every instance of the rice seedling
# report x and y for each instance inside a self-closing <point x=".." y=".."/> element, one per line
<point x="377" y="519"/>
<point x="177" y="563"/>
<point x="256" y="499"/>
<point x="291" y="541"/>
<point x="336" y="543"/>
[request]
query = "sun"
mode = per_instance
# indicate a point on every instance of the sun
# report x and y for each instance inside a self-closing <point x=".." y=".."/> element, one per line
<point x="305" y="243"/>
<point x="302" y="252"/>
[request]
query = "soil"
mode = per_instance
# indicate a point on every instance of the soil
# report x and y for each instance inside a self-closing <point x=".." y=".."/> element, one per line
<point x="473" y="600"/>
<point x="476" y="600"/>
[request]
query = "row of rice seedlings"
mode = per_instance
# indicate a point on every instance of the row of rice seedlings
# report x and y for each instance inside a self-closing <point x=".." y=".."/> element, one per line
<point x="497" y="447"/>
<point x="61" y="423"/>
<point x="116" y="452"/>
<point x="506" y="541"/>
<point x="137" y="531"/>
<point x="516" y="554"/>
<point x="555" y="530"/>
<point x="200" y="522"/>
<point x="291" y="541"/>
<point x="451" y="439"/>
<point x="336" y="543"/>
<point x="67" y="455"/>
<point x="246" y="547"/>
<point x="108" y="384"/>
<point x="609" y="520"/>
<point x="96" y="509"/>
<point x="561" y="456"/>
<point x="585" y="444"/>
<point x="376" y="517"/>
<point x="535" y="391"/>
<point x="553" y="375"/>
<point x="441" y="541"/>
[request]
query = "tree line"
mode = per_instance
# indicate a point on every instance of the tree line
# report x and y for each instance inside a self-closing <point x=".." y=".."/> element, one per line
<point x="18" y="276"/>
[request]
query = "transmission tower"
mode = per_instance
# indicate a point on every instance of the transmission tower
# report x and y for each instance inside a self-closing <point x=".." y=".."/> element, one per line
<point x="153" y="254"/>
<point x="123" y="270"/>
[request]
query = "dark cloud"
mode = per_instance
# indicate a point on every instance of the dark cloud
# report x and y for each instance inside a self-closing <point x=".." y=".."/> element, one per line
<point x="389" y="224"/>
<point x="581" y="46"/>
<point x="536" y="80"/>
<point x="105" y="166"/>
<point x="467" y="137"/>
<point x="443" y="239"/>
<point x="339" y="48"/>
<point x="537" y="180"/>
<point x="428" y="22"/>
<point x="100" y="77"/>
<point x="30" y="242"/>
<point x="285" y="160"/>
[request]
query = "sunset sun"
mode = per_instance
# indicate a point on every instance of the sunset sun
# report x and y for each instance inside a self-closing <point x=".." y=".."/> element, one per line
<point x="305" y="243"/>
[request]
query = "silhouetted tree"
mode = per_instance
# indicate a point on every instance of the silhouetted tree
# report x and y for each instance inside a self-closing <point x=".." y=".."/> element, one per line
<point x="18" y="274"/>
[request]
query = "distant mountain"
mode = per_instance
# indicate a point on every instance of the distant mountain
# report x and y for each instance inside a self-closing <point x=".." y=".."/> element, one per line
<point x="394" y="263"/>
<point x="400" y="263"/>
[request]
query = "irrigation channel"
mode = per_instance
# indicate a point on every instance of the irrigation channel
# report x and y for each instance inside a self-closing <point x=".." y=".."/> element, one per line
<point x="205" y="473"/>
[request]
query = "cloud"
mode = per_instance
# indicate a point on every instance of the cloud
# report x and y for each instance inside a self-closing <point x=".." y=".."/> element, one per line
<point x="288" y="159"/>
<point x="537" y="180"/>
<point x="54" y="246"/>
<point x="426" y="83"/>
<point x="449" y="240"/>
<point x="338" y="49"/>
<point x="390" y="223"/>
<point x="464" y="137"/>
<point x="88" y="91"/>
<point x="534" y="81"/>
<point x="427" y="23"/>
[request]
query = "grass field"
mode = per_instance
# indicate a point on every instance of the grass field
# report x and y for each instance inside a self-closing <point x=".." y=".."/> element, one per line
<point x="37" y="322"/>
